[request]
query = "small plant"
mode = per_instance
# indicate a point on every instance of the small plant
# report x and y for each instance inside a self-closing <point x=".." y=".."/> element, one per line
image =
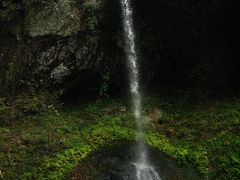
<point x="25" y="105"/>
<point x="91" y="20"/>
<point x="7" y="112"/>
<point x="165" y="118"/>
<point x="92" y="23"/>
<point x="104" y="87"/>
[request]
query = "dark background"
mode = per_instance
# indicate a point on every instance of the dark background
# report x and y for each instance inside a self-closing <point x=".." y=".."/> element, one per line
<point x="181" y="45"/>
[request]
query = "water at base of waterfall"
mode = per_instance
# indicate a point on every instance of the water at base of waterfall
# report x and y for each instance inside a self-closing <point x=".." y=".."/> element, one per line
<point x="144" y="171"/>
<point x="118" y="162"/>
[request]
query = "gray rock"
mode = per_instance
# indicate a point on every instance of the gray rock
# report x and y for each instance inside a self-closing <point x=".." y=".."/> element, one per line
<point x="59" y="73"/>
<point x="60" y="17"/>
<point x="50" y="41"/>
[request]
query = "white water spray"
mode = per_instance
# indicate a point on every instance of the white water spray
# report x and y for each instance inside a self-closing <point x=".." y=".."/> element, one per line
<point x="144" y="171"/>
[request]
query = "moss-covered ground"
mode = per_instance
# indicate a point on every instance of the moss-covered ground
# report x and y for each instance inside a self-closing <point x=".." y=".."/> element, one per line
<point x="49" y="145"/>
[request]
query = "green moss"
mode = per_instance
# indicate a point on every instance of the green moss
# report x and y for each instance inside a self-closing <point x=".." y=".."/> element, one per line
<point x="209" y="129"/>
<point x="224" y="155"/>
<point x="92" y="139"/>
<point x="60" y="140"/>
<point x="183" y="154"/>
<point x="108" y="132"/>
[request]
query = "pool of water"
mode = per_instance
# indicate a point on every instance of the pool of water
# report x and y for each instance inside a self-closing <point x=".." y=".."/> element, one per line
<point x="118" y="163"/>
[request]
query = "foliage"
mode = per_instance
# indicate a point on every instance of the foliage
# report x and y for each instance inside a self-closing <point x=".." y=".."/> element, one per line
<point x="210" y="126"/>
<point x="104" y="87"/>
<point x="90" y="20"/>
<point x="25" y="105"/>
<point x="184" y="155"/>
<point x="92" y="138"/>
<point x="91" y="23"/>
<point x="106" y="133"/>
<point x="59" y="141"/>
<point x="7" y="113"/>
<point x="225" y="156"/>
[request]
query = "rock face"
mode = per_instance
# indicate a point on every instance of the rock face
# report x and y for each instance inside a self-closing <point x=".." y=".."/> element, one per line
<point x="60" y="18"/>
<point x="54" y="42"/>
<point x="58" y="43"/>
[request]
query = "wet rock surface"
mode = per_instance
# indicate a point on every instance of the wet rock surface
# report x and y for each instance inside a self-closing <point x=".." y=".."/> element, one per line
<point x="117" y="163"/>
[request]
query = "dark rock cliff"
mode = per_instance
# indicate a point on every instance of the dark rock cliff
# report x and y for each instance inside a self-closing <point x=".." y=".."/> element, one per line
<point x="54" y="43"/>
<point x="58" y="44"/>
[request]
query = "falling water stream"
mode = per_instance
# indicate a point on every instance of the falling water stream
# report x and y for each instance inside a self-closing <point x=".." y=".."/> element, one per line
<point x="144" y="170"/>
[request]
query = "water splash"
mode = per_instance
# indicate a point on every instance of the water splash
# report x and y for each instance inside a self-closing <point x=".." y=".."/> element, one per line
<point x="144" y="170"/>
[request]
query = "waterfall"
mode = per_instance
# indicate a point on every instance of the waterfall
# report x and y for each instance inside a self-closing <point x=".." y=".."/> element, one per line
<point x="144" y="171"/>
